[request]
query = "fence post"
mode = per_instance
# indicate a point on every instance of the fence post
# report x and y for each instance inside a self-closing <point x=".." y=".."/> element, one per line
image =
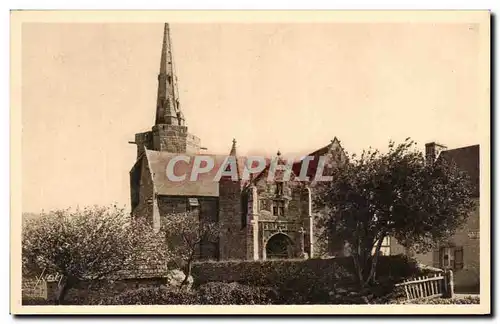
<point x="450" y="283"/>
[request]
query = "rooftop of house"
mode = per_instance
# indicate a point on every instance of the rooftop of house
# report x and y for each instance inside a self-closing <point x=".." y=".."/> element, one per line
<point x="467" y="159"/>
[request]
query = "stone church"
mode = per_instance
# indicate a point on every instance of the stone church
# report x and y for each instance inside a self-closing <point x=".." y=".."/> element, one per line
<point x="260" y="219"/>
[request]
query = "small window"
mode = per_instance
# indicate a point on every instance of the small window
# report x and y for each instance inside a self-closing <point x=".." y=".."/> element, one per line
<point x="279" y="208"/>
<point x="385" y="247"/>
<point x="193" y="202"/>
<point x="451" y="258"/>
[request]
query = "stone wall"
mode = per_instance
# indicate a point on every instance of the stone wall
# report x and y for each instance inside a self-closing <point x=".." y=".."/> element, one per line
<point x="174" y="139"/>
<point x="143" y="191"/>
<point x="142" y="140"/>
<point x="207" y="210"/>
<point x="233" y="238"/>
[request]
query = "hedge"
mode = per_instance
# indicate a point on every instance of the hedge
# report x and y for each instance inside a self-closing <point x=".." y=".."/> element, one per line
<point x="215" y="293"/>
<point x="152" y="296"/>
<point x="314" y="281"/>
<point x="222" y="293"/>
<point x="265" y="273"/>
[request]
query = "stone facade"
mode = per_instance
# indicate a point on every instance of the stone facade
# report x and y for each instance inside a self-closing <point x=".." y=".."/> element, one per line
<point x="279" y="214"/>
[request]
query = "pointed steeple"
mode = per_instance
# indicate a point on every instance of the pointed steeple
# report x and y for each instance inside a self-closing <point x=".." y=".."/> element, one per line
<point x="233" y="148"/>
<point x="167" y="107"/>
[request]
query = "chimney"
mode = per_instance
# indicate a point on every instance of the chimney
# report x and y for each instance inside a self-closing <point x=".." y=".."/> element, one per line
<point x="432" y="151"/>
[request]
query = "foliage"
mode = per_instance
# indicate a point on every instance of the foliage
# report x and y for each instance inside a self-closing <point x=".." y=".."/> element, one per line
<point x="85" y="244"/>
<point x="215" y="293"/>
<point x="184" y="233"/>
<point x="398" y="267"/>
<point x="223" y="293"/>
<point x="313" y="281"/>
<point x="27" y="301"/>
<point x="448" y="301"/>
<point x="294" y="281"/>
<point x="152" y="296"/>
<point x="394" y="194"/>
<point x="269" y="272"/>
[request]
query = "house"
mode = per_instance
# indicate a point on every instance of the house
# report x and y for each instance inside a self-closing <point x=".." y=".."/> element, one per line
<point x="461" y="253"/>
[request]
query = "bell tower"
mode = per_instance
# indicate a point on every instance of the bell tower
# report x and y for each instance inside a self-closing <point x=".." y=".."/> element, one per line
<point x="169" y="133"/>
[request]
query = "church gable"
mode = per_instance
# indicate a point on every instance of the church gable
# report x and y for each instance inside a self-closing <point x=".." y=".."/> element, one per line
<point x="333" y="155"/>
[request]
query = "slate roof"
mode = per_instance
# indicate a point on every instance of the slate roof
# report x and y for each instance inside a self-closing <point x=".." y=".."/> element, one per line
<point x="204" y="186"/>
<point x="467" y="159"/>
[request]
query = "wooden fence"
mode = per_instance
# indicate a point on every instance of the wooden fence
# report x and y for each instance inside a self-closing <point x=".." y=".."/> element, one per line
<point x="437" y="285"/>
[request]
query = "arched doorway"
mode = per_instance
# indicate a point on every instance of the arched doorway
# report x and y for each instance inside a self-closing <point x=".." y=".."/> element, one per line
<point x="279" y="246"/>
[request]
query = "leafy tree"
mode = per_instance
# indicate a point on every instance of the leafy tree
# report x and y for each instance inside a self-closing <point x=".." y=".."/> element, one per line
<point x="85" y="245"/>
<point x="184" y="234"/>
<point x="394" y="194"/>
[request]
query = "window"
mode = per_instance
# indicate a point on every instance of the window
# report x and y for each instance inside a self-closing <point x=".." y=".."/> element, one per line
<point x="385" y="248"/>
<point x="279" y="189"/>
<point x="451" y="258"/>
<point x="193" y="204"/>
<point x="279" y="208"/>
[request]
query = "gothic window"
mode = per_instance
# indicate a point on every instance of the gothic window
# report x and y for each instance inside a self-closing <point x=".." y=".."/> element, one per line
<point x="279" y="189"/>
<point x="279" y="208"/>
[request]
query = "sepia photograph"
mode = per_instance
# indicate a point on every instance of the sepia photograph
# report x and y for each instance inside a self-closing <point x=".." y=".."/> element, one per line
<point x="249" y="161"/>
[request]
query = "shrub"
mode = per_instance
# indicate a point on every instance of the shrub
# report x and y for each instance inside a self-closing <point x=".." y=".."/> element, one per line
<point x="448" y="301"/>
<point x="27" y="301"/>
<point x="152" y="296"/>
<point x="397" y="267"/>
<point x="222" y="293"/>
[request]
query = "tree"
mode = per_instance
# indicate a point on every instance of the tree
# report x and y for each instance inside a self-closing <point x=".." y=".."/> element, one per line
<point x="84" y="244"/>
<point x="184" y="234"/>
<point x="395" y="194"/>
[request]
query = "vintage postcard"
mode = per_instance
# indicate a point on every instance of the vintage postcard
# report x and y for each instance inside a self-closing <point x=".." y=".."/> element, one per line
<point x="230" y="162"/>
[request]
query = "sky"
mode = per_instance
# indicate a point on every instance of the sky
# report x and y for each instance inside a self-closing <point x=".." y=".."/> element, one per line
<point x="88" y="88"/>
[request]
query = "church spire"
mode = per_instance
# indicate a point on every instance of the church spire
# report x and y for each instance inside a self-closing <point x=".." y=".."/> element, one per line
<point x="233" y="148"/>
<point x="167" y="107"/>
